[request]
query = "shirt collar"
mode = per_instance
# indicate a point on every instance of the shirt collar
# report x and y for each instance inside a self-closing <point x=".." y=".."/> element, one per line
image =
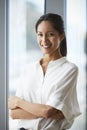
<point x="57" y="62"/>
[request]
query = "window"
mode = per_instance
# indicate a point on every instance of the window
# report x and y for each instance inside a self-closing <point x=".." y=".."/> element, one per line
<point x="76" y="38"/>
<point x="23" y="46"/>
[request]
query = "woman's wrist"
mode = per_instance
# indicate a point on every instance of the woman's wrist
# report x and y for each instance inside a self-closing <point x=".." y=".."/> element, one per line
<point x="19" y="102"/>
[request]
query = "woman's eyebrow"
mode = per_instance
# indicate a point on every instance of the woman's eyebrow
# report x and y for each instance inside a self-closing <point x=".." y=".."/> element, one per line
<point x="39" y="32"/>
<point x="47" y="31"/>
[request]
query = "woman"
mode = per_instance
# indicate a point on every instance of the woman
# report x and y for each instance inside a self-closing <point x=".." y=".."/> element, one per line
<point x="47" y="98"/>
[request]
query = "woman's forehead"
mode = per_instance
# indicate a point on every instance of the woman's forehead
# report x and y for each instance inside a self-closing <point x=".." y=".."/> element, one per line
<point x="46" y="25"/>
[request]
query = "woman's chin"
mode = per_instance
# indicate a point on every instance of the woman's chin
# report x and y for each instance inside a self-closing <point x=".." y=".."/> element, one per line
<point x="46" y="51"/>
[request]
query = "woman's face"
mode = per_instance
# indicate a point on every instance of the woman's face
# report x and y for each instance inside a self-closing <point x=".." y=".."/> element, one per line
<point x="47" y="37"/>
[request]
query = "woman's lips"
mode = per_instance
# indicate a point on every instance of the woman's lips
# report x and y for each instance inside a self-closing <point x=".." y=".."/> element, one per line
<point x="46" y="46"/>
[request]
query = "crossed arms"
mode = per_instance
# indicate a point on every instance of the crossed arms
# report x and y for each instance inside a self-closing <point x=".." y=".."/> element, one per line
<point x="21" y="109"/>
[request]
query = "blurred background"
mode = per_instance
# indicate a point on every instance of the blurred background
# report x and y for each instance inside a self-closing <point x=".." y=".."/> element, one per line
<point x="23" y="47"/>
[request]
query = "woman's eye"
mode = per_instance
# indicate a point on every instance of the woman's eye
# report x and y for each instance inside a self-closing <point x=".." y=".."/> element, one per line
<point x="50" y="34"/>
<point x="40" y="35"/>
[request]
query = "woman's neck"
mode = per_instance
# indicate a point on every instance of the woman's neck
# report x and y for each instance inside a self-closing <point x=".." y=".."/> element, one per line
<point x="47" y="58"/>
<point x="51" y="57"/>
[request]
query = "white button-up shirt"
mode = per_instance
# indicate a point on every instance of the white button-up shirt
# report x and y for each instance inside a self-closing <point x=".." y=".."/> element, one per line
<point x="57" y="89"/>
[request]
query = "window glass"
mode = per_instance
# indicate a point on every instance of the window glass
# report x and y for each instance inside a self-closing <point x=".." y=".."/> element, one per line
<point x="76" y="38"/>
<point x="23" y="46"/>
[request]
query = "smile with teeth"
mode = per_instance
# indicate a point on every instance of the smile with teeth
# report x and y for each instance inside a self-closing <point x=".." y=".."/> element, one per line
<point x="46" y="46"/>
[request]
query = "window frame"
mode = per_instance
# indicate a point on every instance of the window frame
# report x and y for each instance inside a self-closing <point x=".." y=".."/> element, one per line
<point x="3" y="64"/>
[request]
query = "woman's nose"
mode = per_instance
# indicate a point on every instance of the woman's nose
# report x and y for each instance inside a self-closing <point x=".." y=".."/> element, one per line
<point x="45" y="38"/>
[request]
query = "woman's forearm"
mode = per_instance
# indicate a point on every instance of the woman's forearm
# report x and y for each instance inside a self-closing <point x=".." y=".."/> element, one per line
<point x="21" y="114"/>
<point x="41" y="110"/>
<point x="38" y="110"/>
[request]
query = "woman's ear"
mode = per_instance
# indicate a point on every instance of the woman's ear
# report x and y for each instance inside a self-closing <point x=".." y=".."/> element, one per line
<point x="62" y="36"/>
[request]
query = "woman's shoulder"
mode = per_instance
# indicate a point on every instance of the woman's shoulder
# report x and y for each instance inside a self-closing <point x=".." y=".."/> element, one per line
<point x="71" y="65"/>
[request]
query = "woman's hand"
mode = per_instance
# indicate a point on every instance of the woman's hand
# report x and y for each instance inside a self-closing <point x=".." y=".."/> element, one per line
<point x="13" y="102"/>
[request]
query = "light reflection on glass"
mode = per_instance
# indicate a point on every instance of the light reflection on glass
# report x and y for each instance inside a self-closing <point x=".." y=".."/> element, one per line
<point x="76" y="32"/>
<point x="22" y="43"/>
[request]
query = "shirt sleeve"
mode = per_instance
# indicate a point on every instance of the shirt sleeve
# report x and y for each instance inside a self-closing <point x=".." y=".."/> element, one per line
<point x="64" y="96"/>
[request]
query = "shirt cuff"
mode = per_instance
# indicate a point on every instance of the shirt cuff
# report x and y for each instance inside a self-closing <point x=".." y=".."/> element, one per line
<point x="68" y="114"/>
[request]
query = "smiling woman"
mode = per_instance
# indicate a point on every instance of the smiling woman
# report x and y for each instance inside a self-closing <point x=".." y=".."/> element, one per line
<point x="22" y="44"/>
<point x="57" y="78"/>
